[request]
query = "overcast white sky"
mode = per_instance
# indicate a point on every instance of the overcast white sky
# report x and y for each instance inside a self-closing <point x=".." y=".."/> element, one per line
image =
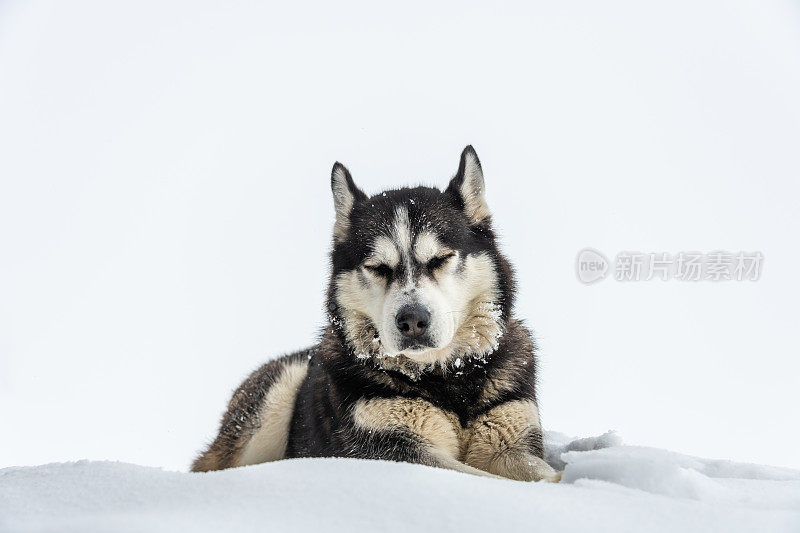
<point x="165" y="208"/>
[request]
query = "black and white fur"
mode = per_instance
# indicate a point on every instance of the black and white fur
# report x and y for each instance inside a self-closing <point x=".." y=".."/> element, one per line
<point x="422" y="359"/>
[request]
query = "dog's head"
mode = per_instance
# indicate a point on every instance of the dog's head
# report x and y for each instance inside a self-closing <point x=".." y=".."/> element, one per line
<point x="417" y="271"/>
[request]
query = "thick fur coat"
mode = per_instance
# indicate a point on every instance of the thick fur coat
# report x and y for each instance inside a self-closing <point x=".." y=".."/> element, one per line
<point x="421" y="360"/>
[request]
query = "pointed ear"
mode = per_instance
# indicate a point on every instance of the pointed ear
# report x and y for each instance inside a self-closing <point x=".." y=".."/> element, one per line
<point x="345" y="196"/>
<point x="467" y="186"/>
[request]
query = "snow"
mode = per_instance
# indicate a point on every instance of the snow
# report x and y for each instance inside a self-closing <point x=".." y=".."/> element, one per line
<point x="607" y="487"/>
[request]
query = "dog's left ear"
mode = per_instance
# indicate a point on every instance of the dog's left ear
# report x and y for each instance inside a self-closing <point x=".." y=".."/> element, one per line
<point x="345" y="196"/>
<point x="467" y="186"/>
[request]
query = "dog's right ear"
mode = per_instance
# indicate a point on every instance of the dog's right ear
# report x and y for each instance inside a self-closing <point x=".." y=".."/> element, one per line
<point x="345" y="196"/>
<point x="467" y="186"/>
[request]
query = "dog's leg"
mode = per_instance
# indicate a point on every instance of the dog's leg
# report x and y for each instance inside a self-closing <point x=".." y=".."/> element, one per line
<point x="507" y="441"/>
<point x="255" y="427"/>
<point x="410" y="430"/>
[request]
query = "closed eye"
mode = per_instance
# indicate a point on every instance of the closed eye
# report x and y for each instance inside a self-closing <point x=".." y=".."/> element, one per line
<point x="382" y="270"/>
<point x="438" y="261"/>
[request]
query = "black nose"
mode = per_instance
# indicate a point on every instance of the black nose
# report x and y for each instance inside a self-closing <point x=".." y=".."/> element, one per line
<point x="412" y="320"/>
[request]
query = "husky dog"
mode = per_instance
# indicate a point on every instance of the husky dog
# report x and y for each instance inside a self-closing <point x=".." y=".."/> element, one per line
<point x="422" y="359"/>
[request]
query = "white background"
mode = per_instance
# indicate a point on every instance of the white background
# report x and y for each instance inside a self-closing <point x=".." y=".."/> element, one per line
<point x="165" y="207"/>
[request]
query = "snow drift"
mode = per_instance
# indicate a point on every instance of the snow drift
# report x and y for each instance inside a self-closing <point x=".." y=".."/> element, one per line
<point x="606" y="487"/>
